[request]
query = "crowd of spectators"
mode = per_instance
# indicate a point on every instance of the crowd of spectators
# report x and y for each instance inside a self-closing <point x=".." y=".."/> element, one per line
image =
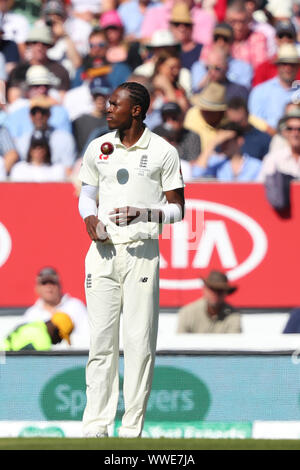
<point x="223" y="76"/>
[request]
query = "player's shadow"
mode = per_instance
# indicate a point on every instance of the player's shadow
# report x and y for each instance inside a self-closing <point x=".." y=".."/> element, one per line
<point x="106" y="250"/>
<point x="141" y="251"/>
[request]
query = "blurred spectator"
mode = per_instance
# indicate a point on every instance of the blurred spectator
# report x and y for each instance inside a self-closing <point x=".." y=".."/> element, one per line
<point x="38" y="42"/>
<point x="255" y="9"/>
<point x="132" y="14"/>
<point x="293" y="324"/>
<point x="256" y="142"/>
<point x="79" y="100"/>
<point x="296" y="17"/>
<point x="9" y="49"/>
<point x="38" y="168"/>
<point x="85" y="124"/>
<point x="187" y="142"/>
<point x="248" y="45"/>
<point x="166" y="78"/>
<point x="62" y="143"/>
<point x="278" y="140"/>
<point x="230" y="164"/>
<point x="63" y="50"/>
<point x="210" y="313"/>
<point x="82" y="18"/>
<point x="8" y="153"/>
<point x="238" y="71"/>
<point x="40" y="335"/>
<point x="207" y="113"/>
<point x="16" y="27"/>
<point x="217" y="70"/>
<point x="51" y="300"/>
<point x="267" y="100"/>
<point x="161" y="42"/>
<point x="31" y="9"/>
<point x="181" y="25"/>
<point x="117" y="48"/>
<point x="38" y="83"/>
<point x="285" y="34"/>
<point x="286" y="159"/>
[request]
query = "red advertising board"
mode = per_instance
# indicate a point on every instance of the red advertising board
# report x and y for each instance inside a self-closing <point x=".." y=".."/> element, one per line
<point x="227" y="226"/>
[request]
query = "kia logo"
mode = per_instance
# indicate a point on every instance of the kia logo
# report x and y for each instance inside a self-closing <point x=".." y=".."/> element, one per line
<point x="5" y="244"/>
<point x="239" y="253"/>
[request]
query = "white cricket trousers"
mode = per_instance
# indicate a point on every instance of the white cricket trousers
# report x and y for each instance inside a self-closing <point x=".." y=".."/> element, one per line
<point x="122" y="277"/>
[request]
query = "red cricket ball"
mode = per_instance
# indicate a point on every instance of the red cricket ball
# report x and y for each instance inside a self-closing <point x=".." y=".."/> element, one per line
<point x="107" y="148"/>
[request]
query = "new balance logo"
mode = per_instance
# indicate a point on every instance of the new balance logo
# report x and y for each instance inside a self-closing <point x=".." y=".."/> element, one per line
<point x="88" y="281"/>
<point x="143" y="279"/>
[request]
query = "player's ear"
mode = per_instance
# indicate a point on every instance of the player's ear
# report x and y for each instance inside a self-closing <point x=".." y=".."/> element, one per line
<point x="136" y="110"/>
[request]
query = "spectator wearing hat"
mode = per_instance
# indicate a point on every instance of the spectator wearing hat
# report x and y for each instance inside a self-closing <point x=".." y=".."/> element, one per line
<point x="63" y="50"/>
<point x="207" y="112"/>
<point x="39" y="82"/>
<point x="211" y="313"/>
<point x="248" y="45"/>
<point x="85" y="124"/>
<point x="15" y="26"/>
<point x="285" y="34"/>
<point x="256" y="143"/>
<point x="40" y="335"/>
<point x="224" y="158"/>
<point x="51" y="299"/>
<point x="37" y="167"/>
<point x="187" y="142"/>
<point x="286" y="158"/>
<point x="38" y="42"/>
<point x="62" y="144"/>
<point x="238" y="71"/>
<point x="268" y="99"/>
<point x="181" y="25"/>
<point x="216" y="71"/>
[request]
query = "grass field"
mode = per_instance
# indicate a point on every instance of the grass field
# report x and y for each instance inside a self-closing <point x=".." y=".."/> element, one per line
<point x="145" y="444"/>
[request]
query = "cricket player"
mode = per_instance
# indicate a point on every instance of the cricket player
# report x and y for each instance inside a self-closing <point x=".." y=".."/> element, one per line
<point x="135" y="174"/>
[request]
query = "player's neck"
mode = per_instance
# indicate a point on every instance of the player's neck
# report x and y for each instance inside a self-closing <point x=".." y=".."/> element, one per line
<point x="130" y="136"/>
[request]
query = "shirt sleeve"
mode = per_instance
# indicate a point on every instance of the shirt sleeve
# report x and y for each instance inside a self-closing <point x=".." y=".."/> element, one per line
<point x="88" y="172"/>
<point x="171" y="177"/>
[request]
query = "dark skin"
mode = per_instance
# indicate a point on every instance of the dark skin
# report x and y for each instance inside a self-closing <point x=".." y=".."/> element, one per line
<point x="53" y="332"/>
<point x="122" y="114"/>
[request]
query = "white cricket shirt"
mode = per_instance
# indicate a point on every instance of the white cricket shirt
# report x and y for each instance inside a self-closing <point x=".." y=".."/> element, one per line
<point x="136" y="176"/>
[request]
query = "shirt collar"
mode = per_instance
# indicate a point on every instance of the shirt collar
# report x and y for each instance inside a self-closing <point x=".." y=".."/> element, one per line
<point x="143" y="141"/>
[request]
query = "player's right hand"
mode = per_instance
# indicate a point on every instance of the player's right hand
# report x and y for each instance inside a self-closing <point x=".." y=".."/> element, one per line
<point x="96" y="229"/>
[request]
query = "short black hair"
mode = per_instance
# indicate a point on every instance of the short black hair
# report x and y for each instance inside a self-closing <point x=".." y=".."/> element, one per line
<point x="138" y="94"/>
<point x="237" y="102"/>
<point x="233" y="126"/>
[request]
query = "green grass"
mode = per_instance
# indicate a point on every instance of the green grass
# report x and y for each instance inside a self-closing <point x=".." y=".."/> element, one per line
<point x="145" y="444"/>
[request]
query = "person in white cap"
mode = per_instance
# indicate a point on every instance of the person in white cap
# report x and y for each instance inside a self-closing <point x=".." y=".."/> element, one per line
<point x="136" y="175"/>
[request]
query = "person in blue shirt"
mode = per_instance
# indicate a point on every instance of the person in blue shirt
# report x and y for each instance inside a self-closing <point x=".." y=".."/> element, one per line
<point x="231" y="164"/>
<point x="268" y="99"/>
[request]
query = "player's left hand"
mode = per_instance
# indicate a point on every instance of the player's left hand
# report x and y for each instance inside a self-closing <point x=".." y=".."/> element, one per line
<point x="123" y="216"/>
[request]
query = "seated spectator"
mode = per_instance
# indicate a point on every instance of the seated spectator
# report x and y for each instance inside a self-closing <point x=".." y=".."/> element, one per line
<point x="267" y="100"/>
<point x="285" y="34"/>
<point x="181" y="25"/>
<point x="8" y="153"/>
<point x="166" y="78"/>
<point x="79" y="99"/>
<point x="207" y="113"/>
<point x="9" y="49"/>
<point x="231" y="164"/>
<point x="238" y="71"/>
<point x="132" y="14"/>
<point x="38" y="83"/>
<point x="187" y="142"/>
<point x="163" y="41"/>
<point x="286" y="159"/>
<point x="15" y="26"/>
<point x="278" y="140"/>
<point x="293" y="324"/>
<point x="40" y="335"/>
<point x="248" y="45"/>
<point x="211" y="313"/>
<point x="38" y="42"/>
<point x="37" y="168"/>
<point x="63" y="50"/>
<point x="62" y="144"/>
<point x="85" y="124"/>
<point x="216" y="71"/>
<point x="51" y="300"/>
<point x="256" y="142"/>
